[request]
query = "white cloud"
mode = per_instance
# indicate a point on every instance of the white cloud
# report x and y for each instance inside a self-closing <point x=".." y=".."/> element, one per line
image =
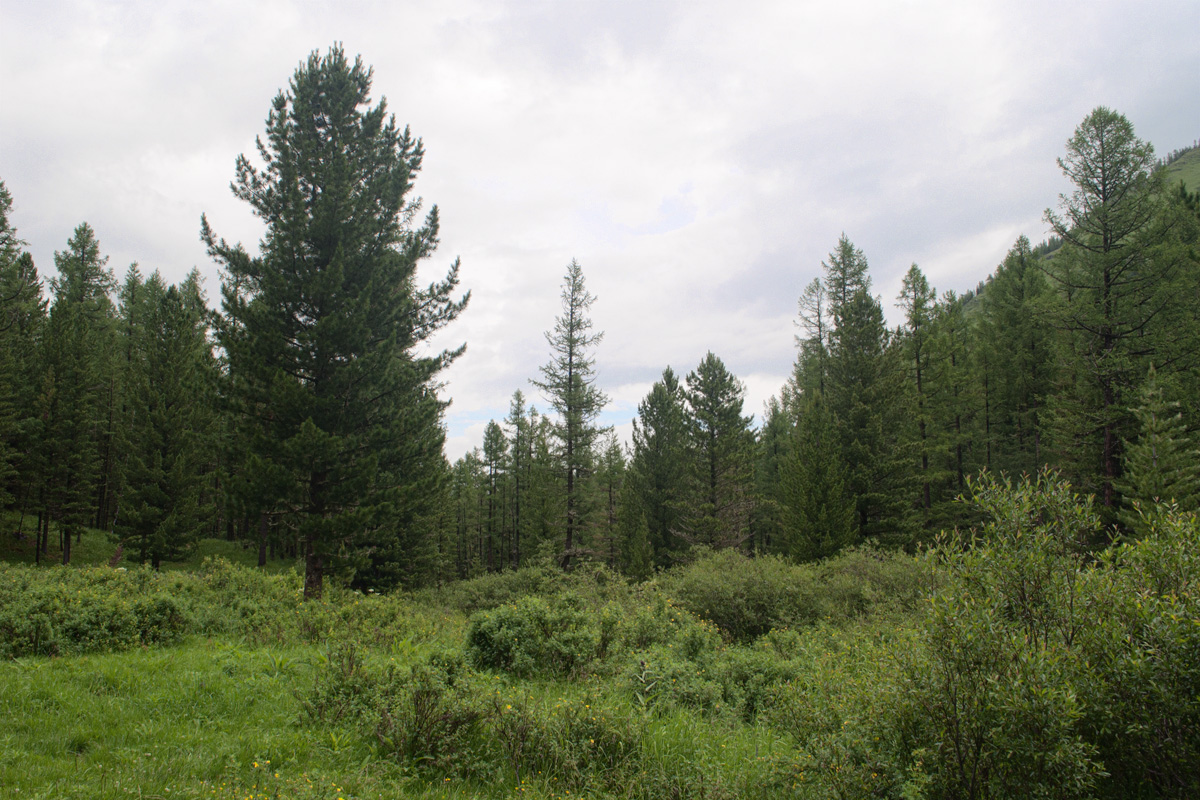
<point x="700" y="159"/>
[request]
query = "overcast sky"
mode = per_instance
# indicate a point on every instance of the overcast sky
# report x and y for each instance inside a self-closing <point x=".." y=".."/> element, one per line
<point x="700" y="159"/>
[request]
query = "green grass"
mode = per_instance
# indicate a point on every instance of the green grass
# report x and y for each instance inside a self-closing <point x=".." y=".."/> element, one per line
<point x="1187" y="169"/>
<point x="210" y="719"/>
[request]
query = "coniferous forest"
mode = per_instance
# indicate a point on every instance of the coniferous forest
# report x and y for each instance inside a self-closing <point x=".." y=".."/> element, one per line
<point x="958" y="558"/>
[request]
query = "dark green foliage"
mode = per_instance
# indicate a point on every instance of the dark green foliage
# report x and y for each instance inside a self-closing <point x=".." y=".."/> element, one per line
<point x="869" y="399"/>
<point x="80" y="611"/>
<point x="748" y="597"/>
<point x="569" y="383"/>
<point x="1162" y="466"/>
<point x="1123" y="279"/>
<point x="1016" y="359"/>
<point x="918" y="299"/>
<point x="433" y="717"/>
<point x="75" y="351"/>
<point x="817" y="508"/>
<point x="657" y="465"/>
<point x="22" y="314"/>
<point x="536" y="636"/>
<point x="169" y="392"/>
<point x="720" y="493"/>
<point x="322" y="329"/>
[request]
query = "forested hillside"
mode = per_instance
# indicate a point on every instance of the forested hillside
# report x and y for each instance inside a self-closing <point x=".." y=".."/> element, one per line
<point x="303" y="414"/>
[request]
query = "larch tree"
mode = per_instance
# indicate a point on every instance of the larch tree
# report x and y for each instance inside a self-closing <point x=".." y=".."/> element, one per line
<point x="1119" y="301"/>
<point x="324" y="329"/>
<point x="569" y="384"/>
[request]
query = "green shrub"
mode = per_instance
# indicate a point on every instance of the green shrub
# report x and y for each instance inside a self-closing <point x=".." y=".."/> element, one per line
<point x="433" y="717"/>
<point x="534" y="636"/>
<point x="747" y="597"/>
<point x="61" y="611"/>
<point x="744" y="597"/>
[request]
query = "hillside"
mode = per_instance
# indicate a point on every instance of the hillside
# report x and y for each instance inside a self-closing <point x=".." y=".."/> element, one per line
<point x="1186" y="168"/>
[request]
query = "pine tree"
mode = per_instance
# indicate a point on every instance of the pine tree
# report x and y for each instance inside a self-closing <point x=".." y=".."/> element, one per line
<point x="1162" y="465"/>
<point x="657" y="464"/>
<point x="720" y="476"/>
<point x="1119" y="297"/>
<point x="324" y="330"/>
<point x="569" y="383"/>
<point x="77" y="340"/>
<point x="169" y="411"/>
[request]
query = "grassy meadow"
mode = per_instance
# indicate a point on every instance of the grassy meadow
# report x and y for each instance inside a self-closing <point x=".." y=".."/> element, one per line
<point x="1018" y="659"/>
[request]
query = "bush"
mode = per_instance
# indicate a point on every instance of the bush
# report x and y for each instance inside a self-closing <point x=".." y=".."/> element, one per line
<point x="747" y="597"/>
<point x="62" y="611"/>
<point x="744" y="597"/>
<point x="534" y="636"/>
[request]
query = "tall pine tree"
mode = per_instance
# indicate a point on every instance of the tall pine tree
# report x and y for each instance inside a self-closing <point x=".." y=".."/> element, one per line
<point x="569" y="383"/>
<point x="323" y="330"/>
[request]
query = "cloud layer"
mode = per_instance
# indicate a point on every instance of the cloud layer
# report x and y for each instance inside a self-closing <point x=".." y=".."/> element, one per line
<point x="700" y="159"/>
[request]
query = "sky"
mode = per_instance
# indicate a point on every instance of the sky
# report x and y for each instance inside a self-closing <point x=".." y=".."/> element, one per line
<point x="699" y="159"/>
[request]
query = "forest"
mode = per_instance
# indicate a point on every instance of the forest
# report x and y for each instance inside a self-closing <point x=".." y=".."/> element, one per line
<point x="957" y="558"/>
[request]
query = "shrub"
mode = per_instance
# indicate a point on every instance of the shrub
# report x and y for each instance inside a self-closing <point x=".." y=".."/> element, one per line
<point x="61" y="611"/>
<point x="433" y="717"/>
<point x="534" y="636"/>
<point x="744" y="597"/>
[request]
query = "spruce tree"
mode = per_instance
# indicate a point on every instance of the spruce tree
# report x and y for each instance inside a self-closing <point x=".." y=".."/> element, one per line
<point x="869" y="400"/>
<point x="657" y="465"/>
<point x="918" y="299"/>
<point x="22" y="314"/>
<point x="1162" y="465"/>
<point x="720" y="499"/>
<point x="1015" y="344"/>
<point x="324" y="329"/>
<point x="170" y="409"/>
<point x="77" y="341"/>
<point x="569" y="383"/>
<point x="495" y="452"/>
<point x="818" y="511"/>
<point x="520" y="456"/>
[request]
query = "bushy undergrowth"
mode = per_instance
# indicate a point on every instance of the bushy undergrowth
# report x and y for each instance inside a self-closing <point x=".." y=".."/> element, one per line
<point x="1035" y="666"/>
<point x="747" y="597"/>
<point x="1041" y="670"/>
<point x="60" y="611"/>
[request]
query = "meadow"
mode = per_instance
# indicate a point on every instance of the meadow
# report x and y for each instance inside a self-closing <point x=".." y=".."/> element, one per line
<point x="1019" y="658"/>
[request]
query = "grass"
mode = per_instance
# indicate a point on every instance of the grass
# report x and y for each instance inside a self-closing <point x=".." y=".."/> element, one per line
<point x="210" y="718"/>
<point x="1187" y="169"/>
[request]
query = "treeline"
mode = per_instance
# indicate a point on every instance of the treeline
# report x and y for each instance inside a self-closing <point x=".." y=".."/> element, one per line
<point x="1082" y="353"/>
<point x="303" y="417"/>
